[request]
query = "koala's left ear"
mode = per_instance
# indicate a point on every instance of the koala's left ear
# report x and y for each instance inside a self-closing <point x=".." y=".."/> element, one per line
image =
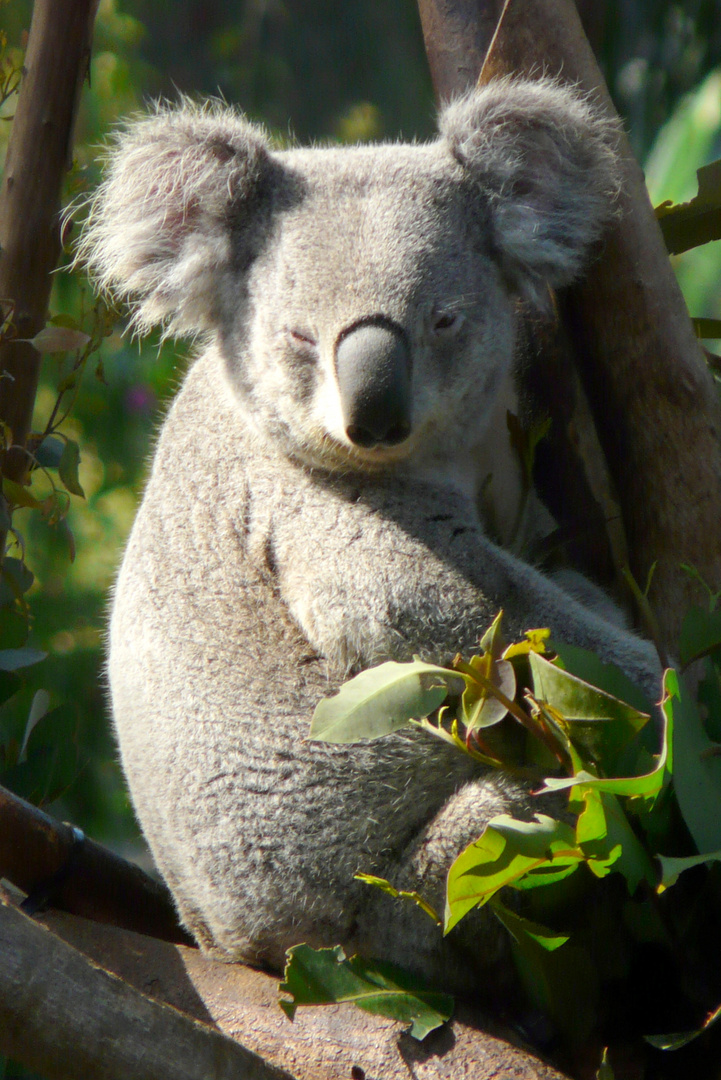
<point x="545" y="160"/>
<point x="182" y="205"/>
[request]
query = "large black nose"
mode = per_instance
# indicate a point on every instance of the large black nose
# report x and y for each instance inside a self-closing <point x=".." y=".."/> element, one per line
<point x="373" y="367"/>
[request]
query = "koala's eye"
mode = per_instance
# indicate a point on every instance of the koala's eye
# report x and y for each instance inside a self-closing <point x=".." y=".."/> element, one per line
<point x="446" y="322"/>
<point x="301" y="339"/>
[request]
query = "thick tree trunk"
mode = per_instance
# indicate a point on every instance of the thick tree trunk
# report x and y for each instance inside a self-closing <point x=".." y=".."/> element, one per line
<point x="653" y="400"/>
<point x="92" y="1001"/>
<point x="39" y="152"/>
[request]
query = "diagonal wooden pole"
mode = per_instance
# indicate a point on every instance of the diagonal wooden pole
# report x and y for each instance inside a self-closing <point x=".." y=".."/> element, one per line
<point x="653" y="399"/>
<point x="38" y="155"/>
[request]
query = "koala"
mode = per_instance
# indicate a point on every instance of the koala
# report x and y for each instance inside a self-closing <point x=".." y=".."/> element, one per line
<point x="333" y="487"/>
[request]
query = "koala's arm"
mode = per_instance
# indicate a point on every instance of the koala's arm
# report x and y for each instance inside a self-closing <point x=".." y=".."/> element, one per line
<point x="399" y="567"/>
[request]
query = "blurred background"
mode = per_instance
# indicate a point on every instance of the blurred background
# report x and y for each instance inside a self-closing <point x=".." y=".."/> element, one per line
<point x="310" y="70"/>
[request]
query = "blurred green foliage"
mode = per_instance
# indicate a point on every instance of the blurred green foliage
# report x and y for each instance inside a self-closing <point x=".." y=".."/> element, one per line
<point x="314" y="70"/>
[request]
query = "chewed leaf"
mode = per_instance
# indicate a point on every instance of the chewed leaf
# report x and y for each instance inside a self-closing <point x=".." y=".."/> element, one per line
<point x="325" y="976"/>
<point x="382" y="700"/>
<point x="539" y="851"/>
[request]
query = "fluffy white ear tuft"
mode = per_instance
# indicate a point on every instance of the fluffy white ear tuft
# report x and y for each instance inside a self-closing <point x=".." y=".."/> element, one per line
<point x="164" y="226"/>
<point x="545" y="160"/>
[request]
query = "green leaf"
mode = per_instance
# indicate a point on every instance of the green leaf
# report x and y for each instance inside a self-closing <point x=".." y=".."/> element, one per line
<point x="325" y="976"/>
<point x="576" y="699"/>
<point x="604" y="1070"/>
<point x="54" y="339"/>
<point x="707" y="328"/>
<point x="382" y="700"/>
<point x="696" y="768"/>
<point x="402" y="894"/>
<point x="589" y="667"/>
<point x="51" y="764"/>
<point x="13" y="629"/>
<point x="607" y="839"/>
<point x="700" y="634"/>
<point x="13" y="659"/>
<point x="68" y="468"/>
<point x="16" y="577"/>
<point x="481" y="708"/>
<point x="9" y="685"/>
<point x="522" y="929"/>
<point x="17" y="495"/>
<point x="672" y="868"/>
<point x="675" y="1042"/>
<point x="540" y="852"/>
<point x="560" y="981"/>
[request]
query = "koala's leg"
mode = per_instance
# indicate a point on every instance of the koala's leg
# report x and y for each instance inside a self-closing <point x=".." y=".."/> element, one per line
<point x="476" y="952"/>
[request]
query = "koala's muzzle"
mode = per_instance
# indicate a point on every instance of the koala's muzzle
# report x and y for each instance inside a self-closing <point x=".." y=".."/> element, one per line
<point x="373" y="367"/>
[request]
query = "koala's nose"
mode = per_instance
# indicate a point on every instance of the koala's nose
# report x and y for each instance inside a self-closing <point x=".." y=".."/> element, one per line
<point x="373" y="367"/>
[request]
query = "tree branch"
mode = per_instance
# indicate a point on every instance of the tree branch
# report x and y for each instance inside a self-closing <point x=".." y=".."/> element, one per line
<point x="67" y="1017"/>
<point x="52" y="860"/>
<point x="38" y="154"/>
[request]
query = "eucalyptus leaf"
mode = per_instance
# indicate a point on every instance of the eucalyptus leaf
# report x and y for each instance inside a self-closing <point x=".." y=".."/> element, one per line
<point x="700" y="634"/>
<point x="539" y="852"/>
<point x="49" y="452"/>
<point x="672" y="868"/>
<point x="325" y="976"/>
<point x="381" y="700"/>
<point x="576" y="699"/>
<point x="676" y="1041"/>
<point x="696" y="767"/>
<point x="521" y="929"/>
<point x="68" y="468"/>
<point x="14" y="659"/>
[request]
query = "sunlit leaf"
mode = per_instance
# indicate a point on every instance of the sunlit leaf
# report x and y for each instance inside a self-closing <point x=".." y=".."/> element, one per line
<point x="520" y="928"/>
<point x="576" y="699"/>
<point x="382" y="700"/>
<point x="325" y="976"/>
<point x="539" y="851"/>
<point x="400" y="894"/>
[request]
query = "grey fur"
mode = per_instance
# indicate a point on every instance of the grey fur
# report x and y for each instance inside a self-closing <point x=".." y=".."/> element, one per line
<point x="272" y="556"/>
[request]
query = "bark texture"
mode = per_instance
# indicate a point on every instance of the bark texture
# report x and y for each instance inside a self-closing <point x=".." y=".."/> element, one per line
<point x="38" y="154"/>
<point x="653" y="399"/>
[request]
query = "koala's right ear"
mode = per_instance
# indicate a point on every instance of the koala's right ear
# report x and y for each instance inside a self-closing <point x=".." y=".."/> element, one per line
<point x="180" y="187"/>
<point x="545" y="161"/>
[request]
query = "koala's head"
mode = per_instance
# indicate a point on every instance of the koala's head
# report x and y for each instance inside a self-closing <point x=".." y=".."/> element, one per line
<point x="363" y="297"/>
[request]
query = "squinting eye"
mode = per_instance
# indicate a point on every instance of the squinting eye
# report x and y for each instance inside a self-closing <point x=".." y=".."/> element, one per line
<point x="298" y="337"/>
<point x="445" y="321"/>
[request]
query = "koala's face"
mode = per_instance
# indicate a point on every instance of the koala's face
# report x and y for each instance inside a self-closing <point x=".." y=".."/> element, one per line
<point x="362" y="297"/>
<point x="377" y="325"/>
